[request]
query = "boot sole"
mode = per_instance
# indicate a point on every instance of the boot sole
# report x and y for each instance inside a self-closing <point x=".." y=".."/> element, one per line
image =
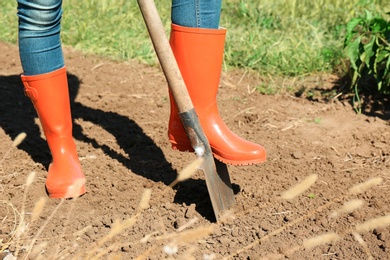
<point x="188" y="148"/>
<point x="63" y="195"/>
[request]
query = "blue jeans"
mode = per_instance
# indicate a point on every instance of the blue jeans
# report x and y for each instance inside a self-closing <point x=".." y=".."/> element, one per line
<point x="39" y="36"/>
<point x="196" y="13"/>
<point x="40" y="25"/>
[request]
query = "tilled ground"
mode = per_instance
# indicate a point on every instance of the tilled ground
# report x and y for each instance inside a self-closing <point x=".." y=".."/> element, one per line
<point x="120" y="112"/>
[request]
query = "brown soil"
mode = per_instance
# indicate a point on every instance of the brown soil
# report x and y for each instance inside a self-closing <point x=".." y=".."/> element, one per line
<point x="120" y="112"/>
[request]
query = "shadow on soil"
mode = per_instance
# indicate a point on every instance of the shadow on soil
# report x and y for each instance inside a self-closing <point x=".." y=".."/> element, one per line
<point x="146" y="158"/>
<point x="373" y="103"/>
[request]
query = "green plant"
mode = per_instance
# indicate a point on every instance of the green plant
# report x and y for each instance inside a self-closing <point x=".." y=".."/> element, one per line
<point x="275" y="38"/>
<point x="317" y="120"/>
<point x="367" y="42"/>
<point x="267" y="89"/>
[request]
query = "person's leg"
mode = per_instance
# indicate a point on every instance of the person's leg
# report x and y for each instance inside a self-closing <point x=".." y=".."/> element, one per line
<point x="198" y="45"/>
<point x="196" y="13"/>
<point x="45" y="83"/>
<point x="39" y="36"/>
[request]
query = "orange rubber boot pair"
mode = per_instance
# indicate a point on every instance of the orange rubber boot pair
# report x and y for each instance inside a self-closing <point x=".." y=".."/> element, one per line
<point x="199" y="54"/>
<point x="50" y="96"/>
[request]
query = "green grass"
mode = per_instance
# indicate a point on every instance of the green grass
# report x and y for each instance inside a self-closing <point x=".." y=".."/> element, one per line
<point x="275" y="38"/>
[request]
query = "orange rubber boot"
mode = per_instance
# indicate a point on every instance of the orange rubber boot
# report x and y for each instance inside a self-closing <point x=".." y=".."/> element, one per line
<point x="49" y="94"/>
<point x="199" y="54"/>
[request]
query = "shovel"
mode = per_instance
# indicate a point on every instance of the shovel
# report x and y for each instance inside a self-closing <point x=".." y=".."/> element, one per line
<point x="216" y="173"/>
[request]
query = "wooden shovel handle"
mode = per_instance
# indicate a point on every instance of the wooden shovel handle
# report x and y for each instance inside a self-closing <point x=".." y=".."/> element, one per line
<point x="165" y="55"/>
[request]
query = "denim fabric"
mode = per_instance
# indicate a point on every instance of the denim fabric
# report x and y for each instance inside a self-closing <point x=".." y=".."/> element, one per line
<point x="39" y="29"/>
<point x="196" y="13"/>
<point x="39" y="36"/>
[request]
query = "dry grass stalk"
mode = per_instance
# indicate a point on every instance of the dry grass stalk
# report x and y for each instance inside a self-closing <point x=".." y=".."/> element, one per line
<point x="102" y="252"/>
<point x="282" y="228"/>
<point x="22" y="228"/>
<point x="348" y="207"/>
<point x="15" y="143"/>
<point x="82" y="231"/>
<point x="352" y="205"/>
<point x="363" y="244"/>
<point x="188" y="224"/>
<point x="188" y="171"/>
<point x="189" y="235"/>
<point x="195" y="234"/>
<point x="309" y="214"/>
<point x="226" y="215"/>
<point x="38" y="207"/>
<point x="74" y="190"/>
<point x="300" y="188"/>
<point x="144" y="203"/>
<point x="43" y="226"/>
<point x="38" y="250"/>
<point x="147" y="237"/>
<point x="373" y="224"/>
<point x="117" y="227"/>
<point x="323" y="239"/>
<point x="28" y="183"/>
<point x="362" y="187"/>
<point x="77" y="187"/>
<point x="19" y="139"/>
<point x="15" y="213"/>
<point x="30" y="178"/>
<point x="5" y="244"/>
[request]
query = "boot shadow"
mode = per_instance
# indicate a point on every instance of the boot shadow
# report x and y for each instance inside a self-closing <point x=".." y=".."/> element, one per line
<point x="18" y="115"/>
<point x="194" y="191"/>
